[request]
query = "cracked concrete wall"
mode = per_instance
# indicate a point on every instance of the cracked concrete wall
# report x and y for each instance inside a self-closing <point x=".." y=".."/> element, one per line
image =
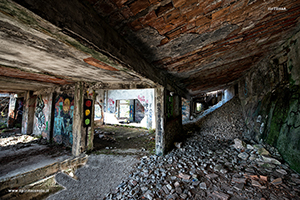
<point x="270" y="96"/>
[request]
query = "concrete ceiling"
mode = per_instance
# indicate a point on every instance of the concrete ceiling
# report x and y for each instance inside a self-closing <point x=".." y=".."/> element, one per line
<point x="196" y="45"/>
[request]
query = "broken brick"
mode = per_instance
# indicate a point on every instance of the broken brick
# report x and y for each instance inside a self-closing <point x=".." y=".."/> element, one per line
<point x="148" y="18"/>
<point x="178" y="3"/>
<point x="138" y="6"/>
<point x="202" y="21"/>
<point x="172" y="15"/>
<point x="126" y="12"/>
<point x="263" y="178"/>
<point x="163" y="9"/>
<point x="120" y="3"/>
<point x="136" y="25"/>
<point x="277" y="181"/>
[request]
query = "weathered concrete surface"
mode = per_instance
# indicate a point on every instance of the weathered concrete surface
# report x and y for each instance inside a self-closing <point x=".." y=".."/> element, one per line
<point x="160" y="120"/>
<point x="80" y="47"/>
<point x="28" y="113"/>
<point x="79" y="133"/>
<point x="36" y="54"/>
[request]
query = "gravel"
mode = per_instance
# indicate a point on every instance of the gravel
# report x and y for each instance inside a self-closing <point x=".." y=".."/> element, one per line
<point x="100" y="175"/>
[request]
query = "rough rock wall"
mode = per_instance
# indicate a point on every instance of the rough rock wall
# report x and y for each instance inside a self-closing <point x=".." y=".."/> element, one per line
<point x="270" y="100"/>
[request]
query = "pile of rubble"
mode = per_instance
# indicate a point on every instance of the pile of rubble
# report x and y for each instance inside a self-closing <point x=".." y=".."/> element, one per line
<point x="205" y="168"/>
<point x="227" y="122"/>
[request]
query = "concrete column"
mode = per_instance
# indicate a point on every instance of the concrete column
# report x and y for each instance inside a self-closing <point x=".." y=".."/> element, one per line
<point x="168" y="120"/>
<point x="11" y="111"/>
<point x="78" y="129"/>
<point x="28" y="113"/>
<point x="192" y="103"/>
<point x="173" y="127"/>
<point x="160" y="120"/>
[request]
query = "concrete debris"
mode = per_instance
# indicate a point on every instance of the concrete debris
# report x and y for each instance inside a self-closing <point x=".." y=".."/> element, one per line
<point x="194" y="172"/>
<point x="239" y="144"/>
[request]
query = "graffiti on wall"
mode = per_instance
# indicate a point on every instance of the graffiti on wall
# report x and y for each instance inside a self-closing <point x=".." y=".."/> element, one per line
<point x="111" y="105"/>
<point x="98" y="110"/>
<point x="42" y="114"/>
<point x="63" y="120"/>
<point x="139" y="111"/>
<point x="39" y="114"/>
<point x="185" y="109"/>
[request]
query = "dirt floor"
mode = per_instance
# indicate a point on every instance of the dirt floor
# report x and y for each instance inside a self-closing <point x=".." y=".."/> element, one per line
<point x="120" y="139"/>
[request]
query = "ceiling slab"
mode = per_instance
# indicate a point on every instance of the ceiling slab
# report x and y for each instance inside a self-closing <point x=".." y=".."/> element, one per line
<point x="202" y="43"/>
<point x="195" y="46"/>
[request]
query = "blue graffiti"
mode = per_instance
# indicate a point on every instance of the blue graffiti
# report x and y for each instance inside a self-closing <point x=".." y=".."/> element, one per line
<point x="63" y="120"/>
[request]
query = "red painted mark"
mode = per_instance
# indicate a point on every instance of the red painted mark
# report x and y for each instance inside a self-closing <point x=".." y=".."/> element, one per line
<point x="141" y="98"/>
<point x="88" y="103"/>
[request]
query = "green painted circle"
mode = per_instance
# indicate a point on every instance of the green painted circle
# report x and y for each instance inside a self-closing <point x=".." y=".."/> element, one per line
<point x="87" y="122"/>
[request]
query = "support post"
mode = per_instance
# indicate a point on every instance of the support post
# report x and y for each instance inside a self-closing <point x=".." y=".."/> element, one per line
<point x="78" y="129"/>
<point x="11" y="111"/>
<point x="160" y="120"/>
<point x="169" y="120"/>
<point x="28" y="113"/>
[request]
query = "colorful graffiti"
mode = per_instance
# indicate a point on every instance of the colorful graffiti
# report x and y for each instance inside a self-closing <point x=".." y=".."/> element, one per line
<point x="139" y="111"/>
<point x="111" y="105"/>
<point x="39" y="114"/>
<point x="185" y="109"/>
<point x="141" y="98"/>
<point x="63" y="120"/>
<point x="98" y="114"/>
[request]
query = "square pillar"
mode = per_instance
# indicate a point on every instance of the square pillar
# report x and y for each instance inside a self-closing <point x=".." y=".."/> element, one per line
<point x="28" y="113"/>
<point x="83" y="137"/>
<point x="11" y="111"/>
<point x="168" y="120"/>
<point x="160" y="120"/>
<point x="77" y="128"/>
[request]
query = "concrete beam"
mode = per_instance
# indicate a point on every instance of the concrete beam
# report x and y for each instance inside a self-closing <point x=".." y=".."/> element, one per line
<point x="7" y="83"/>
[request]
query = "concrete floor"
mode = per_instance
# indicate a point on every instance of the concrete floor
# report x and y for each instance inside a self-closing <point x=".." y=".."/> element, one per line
<point x="23" y="153"/>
